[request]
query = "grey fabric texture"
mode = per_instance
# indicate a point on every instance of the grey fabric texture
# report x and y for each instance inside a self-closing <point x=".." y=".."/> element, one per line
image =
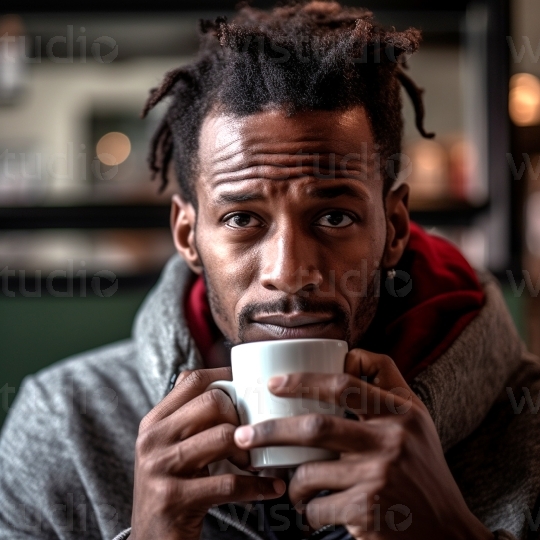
<point x="504" y="535"/>
<point x="67" y="448"/>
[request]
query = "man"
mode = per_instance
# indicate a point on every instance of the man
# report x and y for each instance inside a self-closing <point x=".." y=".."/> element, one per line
<point x="285" y="134"/>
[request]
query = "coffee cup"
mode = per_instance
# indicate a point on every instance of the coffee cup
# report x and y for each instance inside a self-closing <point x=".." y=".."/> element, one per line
<point x="253" y="364"/>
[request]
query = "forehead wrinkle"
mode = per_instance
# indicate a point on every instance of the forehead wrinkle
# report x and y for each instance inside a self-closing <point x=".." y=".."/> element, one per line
<point x="291" y="147"/>
<point x="258" y="174"/>
<point x="248" y="148"/>
<point x="218" y="150"/>
<point x="323" y="163"/>
<point x="282" y="174"/>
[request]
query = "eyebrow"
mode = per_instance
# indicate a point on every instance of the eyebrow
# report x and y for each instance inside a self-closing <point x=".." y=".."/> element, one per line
<point x="228" y="198"/>
<point x="332" y="192"/>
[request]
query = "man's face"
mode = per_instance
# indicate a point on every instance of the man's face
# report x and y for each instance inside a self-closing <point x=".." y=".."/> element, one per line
<point x="291" y="226"/>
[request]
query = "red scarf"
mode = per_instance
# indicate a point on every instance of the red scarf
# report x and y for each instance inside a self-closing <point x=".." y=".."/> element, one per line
<point x="414" y="329"/>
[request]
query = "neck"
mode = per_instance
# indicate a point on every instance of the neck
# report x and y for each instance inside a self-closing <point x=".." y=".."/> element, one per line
<point x="219" y="355"/>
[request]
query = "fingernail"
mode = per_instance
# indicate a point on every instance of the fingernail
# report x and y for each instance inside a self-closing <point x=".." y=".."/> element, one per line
<point x="244" y="434"/>
<point x="277" y="382"/>
<point x="279" y="486"/>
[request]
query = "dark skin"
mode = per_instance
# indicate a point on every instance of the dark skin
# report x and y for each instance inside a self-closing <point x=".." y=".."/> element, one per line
<point x="269" y="230"/>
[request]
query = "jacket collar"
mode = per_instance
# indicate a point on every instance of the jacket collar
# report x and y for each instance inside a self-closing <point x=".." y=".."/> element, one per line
<point x="164" y="344"/>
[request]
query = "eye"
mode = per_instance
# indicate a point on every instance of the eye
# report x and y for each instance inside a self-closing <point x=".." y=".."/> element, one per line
<point x="242" y="221"/>
<point x="335" y="219"/>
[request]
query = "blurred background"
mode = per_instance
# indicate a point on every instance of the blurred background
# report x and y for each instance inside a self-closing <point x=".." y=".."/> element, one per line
<point x="83" y="232"/>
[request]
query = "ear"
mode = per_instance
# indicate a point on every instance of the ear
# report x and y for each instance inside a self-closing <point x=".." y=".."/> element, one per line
<point x="397" y="225"/>
<point x="183" y="217"/>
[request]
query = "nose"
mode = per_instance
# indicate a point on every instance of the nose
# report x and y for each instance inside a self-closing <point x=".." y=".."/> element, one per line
<point x="290" y="262"/>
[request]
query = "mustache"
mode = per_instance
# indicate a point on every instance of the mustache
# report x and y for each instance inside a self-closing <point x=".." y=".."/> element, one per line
<point x="287" y="305"/>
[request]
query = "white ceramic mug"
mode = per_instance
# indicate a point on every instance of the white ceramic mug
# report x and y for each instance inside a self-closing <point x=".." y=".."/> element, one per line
<point x="254" y="363"/>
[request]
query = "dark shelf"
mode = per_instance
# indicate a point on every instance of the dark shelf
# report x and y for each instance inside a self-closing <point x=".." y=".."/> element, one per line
<point x="463" y="216"/>
<point x="157" y="216"/>
<point x="527" y="139"/>
<point x="85" y="217"/>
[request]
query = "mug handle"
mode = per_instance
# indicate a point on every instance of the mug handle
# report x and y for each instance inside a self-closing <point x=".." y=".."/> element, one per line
<point x="227" y="387"/>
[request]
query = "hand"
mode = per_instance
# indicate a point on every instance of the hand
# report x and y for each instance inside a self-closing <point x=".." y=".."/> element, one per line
<point x="177" y="440"/>
<point x="391" y="480"/>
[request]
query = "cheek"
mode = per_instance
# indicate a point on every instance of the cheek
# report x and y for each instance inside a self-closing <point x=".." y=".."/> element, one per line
<point x="228" y="276"/>
<point x="225" y="265"/>
<point x="359" y="274"/>
<point x="359" y="280"/>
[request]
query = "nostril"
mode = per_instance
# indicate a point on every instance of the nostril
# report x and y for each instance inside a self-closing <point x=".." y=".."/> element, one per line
<point x="306" y="290"/>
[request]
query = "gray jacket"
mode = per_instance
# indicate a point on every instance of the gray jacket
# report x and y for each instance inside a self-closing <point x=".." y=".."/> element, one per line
<point x="67" y="448"/>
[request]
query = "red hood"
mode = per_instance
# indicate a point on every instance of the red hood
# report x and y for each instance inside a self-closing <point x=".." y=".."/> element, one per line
<point x="414" y="329"/>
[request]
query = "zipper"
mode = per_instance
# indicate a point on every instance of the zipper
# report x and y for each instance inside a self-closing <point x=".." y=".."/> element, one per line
<point x="320" y="531"/>
<point x="250" y="533"/>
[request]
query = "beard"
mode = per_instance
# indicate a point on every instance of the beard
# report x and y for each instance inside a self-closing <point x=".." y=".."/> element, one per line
<point x="354" y="324"/>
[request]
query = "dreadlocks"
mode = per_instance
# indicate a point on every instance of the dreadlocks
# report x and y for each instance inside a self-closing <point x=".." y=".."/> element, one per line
<point x="314" y="55"/>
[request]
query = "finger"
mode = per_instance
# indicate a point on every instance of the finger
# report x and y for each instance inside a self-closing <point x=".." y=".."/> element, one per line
<point x="315" y="430"/>
<point x="188" y="386"/>
<point x="195" y="453"/>
<point x="226" y="488"/>
<point x="242" y="460"/>
<point x="201" y="413"/>
<point x="316" y="476"/>
<point x="378" y="369"/>
<point x="221" y="373"/>
<point x="346" y="391"/>
<point x="352" y="508"/>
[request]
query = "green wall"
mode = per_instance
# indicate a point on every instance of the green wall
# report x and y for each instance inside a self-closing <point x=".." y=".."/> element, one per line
<point x="35" y="332"/>
<point x="516" y="306"/>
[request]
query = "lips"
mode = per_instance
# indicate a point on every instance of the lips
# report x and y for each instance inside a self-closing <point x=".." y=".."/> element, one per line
<point x="293" y="326"/>
<point x="293" y="320"/>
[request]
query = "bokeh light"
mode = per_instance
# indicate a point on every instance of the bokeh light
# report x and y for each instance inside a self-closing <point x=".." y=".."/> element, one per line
<point x="113" y="148"/>
<point x="524" y="99"/>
